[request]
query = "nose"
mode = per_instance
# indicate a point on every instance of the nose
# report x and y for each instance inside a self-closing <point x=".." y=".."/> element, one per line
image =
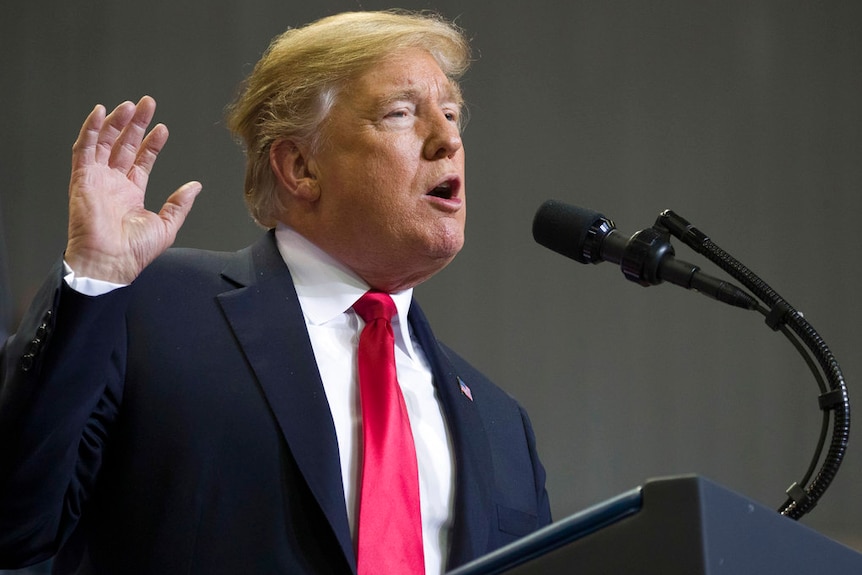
<point x="444" y="137"/>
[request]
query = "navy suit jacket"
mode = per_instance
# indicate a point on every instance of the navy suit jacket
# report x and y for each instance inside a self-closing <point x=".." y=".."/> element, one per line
<point x="179" y="425"/>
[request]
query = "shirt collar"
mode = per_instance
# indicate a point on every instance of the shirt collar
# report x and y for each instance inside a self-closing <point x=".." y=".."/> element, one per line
<point x="326" y="288"/>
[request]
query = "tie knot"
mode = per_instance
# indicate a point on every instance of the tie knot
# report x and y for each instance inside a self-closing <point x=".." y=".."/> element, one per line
<point x="375" y="305"/>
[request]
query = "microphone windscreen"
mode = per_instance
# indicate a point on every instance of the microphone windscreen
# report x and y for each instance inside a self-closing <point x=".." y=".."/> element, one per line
<point x="563" y="228"/>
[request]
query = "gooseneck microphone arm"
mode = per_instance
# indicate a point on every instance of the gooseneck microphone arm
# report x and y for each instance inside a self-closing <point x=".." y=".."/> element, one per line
<point x="647" y="258"/>
<point x="802" y="496"/>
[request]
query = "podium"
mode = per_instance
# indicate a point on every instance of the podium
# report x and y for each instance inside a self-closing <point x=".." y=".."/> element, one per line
<point x="684" y="525"/>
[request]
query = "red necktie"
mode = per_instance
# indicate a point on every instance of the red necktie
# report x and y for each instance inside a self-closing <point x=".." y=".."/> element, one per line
<point x="390" y="524"/>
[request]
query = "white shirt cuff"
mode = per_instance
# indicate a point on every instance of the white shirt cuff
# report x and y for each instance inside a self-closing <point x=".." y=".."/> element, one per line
<point x="88" y="286"/>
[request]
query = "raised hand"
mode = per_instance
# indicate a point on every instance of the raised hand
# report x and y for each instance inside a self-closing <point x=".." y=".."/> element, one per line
<point x="112" y="237"/>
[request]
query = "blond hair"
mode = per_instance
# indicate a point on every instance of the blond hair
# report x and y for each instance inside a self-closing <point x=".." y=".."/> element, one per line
<point x="295" y="83"/>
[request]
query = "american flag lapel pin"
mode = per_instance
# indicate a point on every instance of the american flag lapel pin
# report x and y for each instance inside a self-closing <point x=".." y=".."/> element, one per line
<point x="465" y="389"/>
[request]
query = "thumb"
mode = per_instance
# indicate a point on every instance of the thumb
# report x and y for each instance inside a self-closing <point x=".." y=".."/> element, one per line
<point x="177" y="207"/>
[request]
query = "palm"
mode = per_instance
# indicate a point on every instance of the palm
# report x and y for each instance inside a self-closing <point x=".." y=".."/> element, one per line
<point x="111" y="234"/>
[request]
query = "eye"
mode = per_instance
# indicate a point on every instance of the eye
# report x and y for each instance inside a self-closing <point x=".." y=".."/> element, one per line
<point x="400" y="111"/>
<point x="453" y="115"/>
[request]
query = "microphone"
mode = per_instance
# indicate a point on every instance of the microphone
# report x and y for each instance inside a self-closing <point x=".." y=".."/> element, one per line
<point x="646" y="258"/>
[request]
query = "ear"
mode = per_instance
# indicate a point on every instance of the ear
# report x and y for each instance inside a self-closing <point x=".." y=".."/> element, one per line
<point x="293" y="169"/>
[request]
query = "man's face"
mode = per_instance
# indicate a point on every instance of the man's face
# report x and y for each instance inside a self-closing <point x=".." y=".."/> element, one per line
<point x="390" y="172"/>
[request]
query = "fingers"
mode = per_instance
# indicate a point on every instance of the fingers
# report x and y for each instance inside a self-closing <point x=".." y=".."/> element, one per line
<point x="120" y="139"/>
<point x="146" y="157"/>
<point x="111" y="129"/>
<point x="124" y="150"/>
<point x="84" y="148"/>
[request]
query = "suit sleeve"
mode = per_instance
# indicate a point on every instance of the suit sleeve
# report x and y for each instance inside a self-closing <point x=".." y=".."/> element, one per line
<point x="62" y="376"/>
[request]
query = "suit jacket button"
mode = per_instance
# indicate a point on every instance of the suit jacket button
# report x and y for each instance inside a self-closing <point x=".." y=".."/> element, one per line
<point x="27" y="361"/>
<point x="42" y="330"/>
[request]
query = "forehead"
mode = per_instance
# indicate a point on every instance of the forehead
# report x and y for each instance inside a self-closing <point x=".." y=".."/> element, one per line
<point x="410" y="73"/>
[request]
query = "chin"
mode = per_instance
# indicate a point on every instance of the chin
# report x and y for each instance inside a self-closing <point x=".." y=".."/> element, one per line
<point x="446" y="246"/>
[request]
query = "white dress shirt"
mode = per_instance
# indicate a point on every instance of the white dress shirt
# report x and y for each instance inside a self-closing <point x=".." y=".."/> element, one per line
<point x="327" y="291"/>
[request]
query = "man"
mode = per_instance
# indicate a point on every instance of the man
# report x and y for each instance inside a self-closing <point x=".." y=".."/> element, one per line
<point x="184" y="411"/>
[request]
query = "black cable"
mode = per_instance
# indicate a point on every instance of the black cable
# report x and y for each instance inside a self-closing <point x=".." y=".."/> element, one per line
<point x="781" y="316"/>
<point x="802" y="498"/>
<point x="824" y="426"/>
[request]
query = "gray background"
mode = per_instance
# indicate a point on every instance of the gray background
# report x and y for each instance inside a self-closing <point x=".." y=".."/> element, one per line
<point x="743" y="117"/>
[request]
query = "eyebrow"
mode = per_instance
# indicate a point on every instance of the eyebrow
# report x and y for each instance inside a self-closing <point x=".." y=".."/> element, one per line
<point x="451" y="94"/>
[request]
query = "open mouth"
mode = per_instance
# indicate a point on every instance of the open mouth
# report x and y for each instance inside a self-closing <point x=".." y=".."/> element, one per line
<point x="445" y="190"/>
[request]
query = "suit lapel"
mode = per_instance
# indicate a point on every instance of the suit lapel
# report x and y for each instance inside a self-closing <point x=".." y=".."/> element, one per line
<point x="266" y="318"/>
<point x="473" y="464"/>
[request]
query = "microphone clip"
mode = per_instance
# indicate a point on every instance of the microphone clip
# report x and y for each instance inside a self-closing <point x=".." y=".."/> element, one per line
<point x="644" y="254"/>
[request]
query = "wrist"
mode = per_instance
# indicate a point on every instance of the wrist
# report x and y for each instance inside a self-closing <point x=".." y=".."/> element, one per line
<point x="99" y="268"/>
